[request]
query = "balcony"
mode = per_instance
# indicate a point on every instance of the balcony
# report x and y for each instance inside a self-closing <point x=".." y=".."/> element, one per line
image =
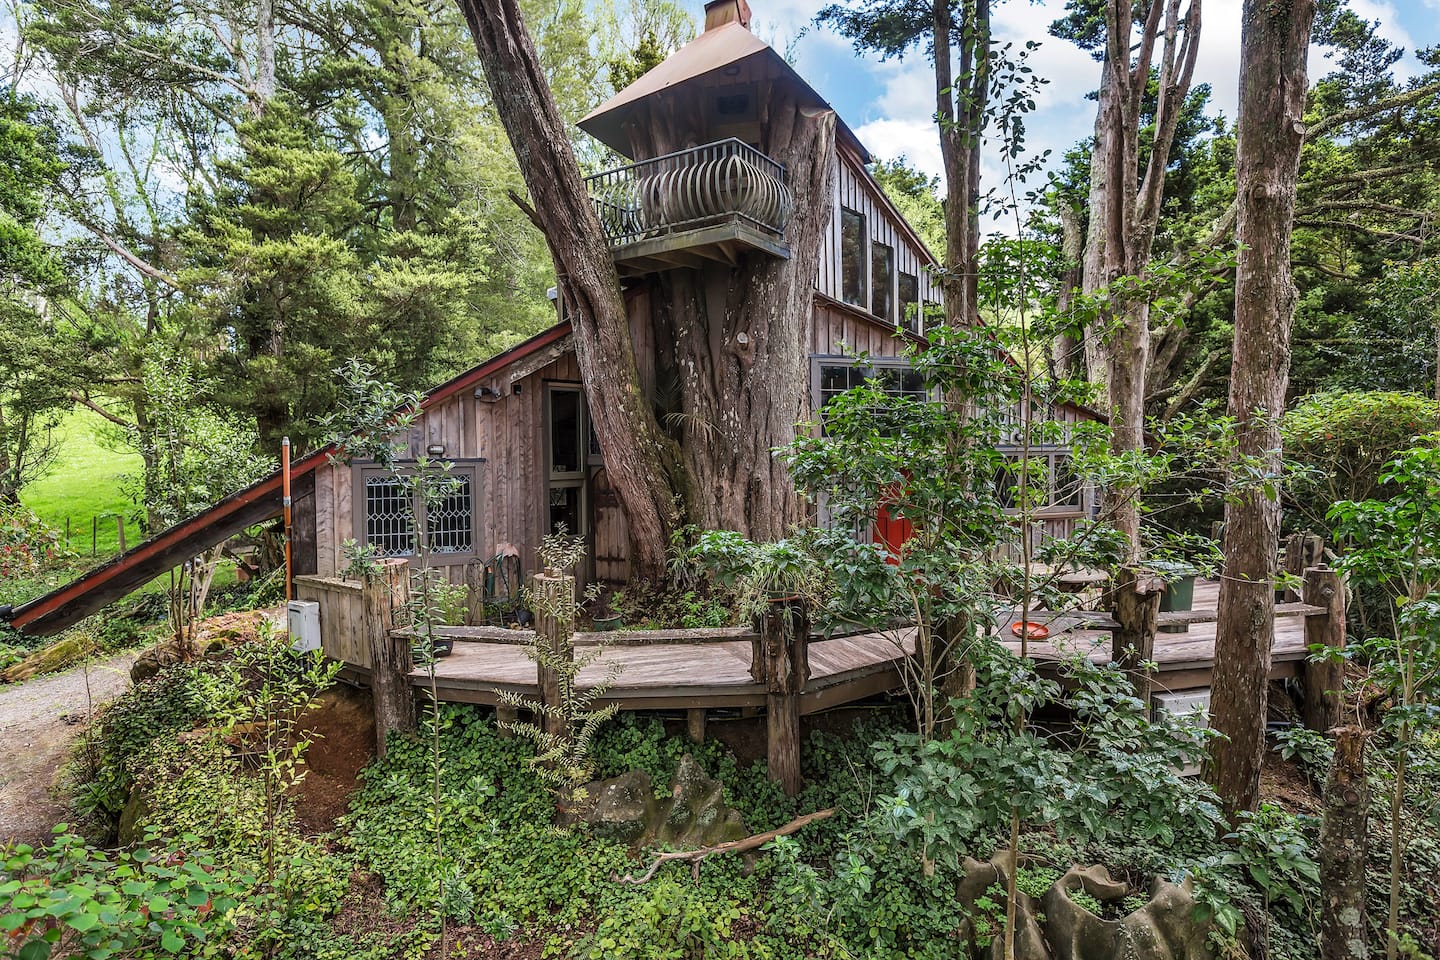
<point x="711" y="202"/>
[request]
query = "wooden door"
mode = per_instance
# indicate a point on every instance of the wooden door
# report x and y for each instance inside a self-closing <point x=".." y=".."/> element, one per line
<point x="611" y="543"/>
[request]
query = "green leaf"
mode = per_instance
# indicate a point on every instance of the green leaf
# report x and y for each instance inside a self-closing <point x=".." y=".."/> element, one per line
<point x="172" y="941"/>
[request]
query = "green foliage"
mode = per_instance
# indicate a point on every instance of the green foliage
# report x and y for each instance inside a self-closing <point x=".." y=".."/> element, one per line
<point x="27" y="544"/>
<point x="1340" y="444"/>
<point x="70" y="899"/>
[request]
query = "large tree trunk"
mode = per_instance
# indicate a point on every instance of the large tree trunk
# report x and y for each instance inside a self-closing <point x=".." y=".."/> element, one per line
<point x="960" y="111"/>
<point x="641" y="461"/>
<point x="1275" y="39"/>
<point x="734" y="341"/>
<point x="1125" y="207"/>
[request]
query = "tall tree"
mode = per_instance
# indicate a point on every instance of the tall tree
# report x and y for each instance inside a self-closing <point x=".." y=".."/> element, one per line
<point x="641" y="461"/>
<point x="1274" y="43"/>
<point x="1127" y="187"/>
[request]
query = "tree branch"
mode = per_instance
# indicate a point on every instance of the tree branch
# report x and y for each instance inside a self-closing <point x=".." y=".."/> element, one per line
<point x="694" y="857"/>
<point x="85" y="401"/>
<point x="1361" y="111"/>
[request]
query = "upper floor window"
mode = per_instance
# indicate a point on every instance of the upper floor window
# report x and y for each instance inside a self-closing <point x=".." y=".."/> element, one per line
<point x="852" y="257"/>
<point x="910" y="302"/>
<point x="882" y="281"/>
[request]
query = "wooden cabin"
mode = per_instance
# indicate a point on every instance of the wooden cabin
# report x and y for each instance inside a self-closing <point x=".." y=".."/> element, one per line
<point x="694" y="193"/>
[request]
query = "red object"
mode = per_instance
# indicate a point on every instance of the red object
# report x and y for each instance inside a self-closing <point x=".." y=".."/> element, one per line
<point x="1030" y="631"/>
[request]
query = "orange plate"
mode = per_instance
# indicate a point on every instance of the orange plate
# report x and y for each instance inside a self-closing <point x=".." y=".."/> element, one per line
<point x="1035" y="631"/>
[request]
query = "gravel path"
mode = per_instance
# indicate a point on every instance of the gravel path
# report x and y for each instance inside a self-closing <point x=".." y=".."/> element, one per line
<point x="38" y="721"/>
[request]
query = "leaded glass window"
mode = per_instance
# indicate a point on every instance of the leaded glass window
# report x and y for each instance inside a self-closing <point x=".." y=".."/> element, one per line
<point x="389" y="524"/>
<point x="451" y="520"/>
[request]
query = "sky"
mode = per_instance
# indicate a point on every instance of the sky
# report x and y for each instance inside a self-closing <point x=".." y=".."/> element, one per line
<point x="890" y="105"/>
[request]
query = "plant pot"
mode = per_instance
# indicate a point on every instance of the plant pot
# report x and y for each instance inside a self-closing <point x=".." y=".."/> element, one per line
<point x="1178" y="597"/>
<point x="441" y="647"/>
<point x="607" y="624"/>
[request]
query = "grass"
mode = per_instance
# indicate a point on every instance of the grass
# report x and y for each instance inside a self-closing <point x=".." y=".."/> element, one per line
<point x="84" y="486"/>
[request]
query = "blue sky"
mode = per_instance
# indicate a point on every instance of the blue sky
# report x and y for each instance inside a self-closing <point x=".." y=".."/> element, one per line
<point x="890" y="105"/>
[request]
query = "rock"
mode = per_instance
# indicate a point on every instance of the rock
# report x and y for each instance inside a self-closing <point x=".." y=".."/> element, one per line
<point x="64" y="652"/>
<point x="152" y="662"/>
<point x="622" y="808"/>
<point x="625" y="808"/>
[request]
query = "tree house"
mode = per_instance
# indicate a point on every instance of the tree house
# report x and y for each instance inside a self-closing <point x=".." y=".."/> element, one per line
<point x="703" y="185"/>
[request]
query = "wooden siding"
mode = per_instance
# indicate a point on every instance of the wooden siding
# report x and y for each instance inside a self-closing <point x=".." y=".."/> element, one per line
<point x="342" y="617"/>
<point x="855" y="189"/>
<point x="507" y="433"/>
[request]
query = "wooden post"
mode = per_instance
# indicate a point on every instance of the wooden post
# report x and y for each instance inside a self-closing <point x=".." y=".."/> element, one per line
<point x="554" y="624"/>
<point x="384" y="596"/>
<point x="695" y="724"/>
<point x="1325" y="679"/>
<point x="785" y="632"/>
<point x="506" y="714"/>
<point x="475" y="593"/>
<point x="120" y="531"/>
<point x="1302" y="551"/>
<point x="1135" y="607"/>
<point x="1346" y="804"/>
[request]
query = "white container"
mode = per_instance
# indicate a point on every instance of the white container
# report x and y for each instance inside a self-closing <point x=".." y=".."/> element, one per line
<point x="304" y="618"/>
<point x="1191" y="705"/>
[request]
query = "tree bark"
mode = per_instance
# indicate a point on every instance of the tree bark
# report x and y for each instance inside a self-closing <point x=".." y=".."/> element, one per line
<point x="1123" y="216"/>
<point x="785" y="637"/>
<point x="1274" y="42"/>
<point x="960" y="111"/>
<point x="640" y="460"/>
<point x="384" y="597"/>
<point x="1342" y="849"/>
<point x="734" y="340"/>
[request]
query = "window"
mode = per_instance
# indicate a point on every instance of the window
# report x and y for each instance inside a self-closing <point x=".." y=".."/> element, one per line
<point x="831" y="376"/>
<point x="882" y="281"/>
<point x="910" y="302"/>
<point x="391" y="507"/>
<point x="852" y="257"/>
<point x="1064" y="489"/>
<point x="568" y="448"/>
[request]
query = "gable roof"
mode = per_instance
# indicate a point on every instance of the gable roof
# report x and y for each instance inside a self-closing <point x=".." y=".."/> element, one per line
<point x="71" y="603"/>
<point x="713" y="50"/>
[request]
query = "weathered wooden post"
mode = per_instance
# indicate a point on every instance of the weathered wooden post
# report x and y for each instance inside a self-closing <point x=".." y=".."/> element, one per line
<point x="1302" y="551"/>
<point x="475" y="593"/>
<point x="384" y="596"/>
<point x="785" y="635"/>
<point x="554" y="624"/>
<point x="120" y="531"/>
<point x="1324" y="678"/>
<point x="1135" y="607"/>
<point x="1346" y="803"/>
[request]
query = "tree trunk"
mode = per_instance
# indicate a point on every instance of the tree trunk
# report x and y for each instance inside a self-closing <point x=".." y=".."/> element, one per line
<point x="734" y="341"/>
<point x="1066" y="353"/>
<point x="1342" y="849"/>
<point x="640" y="460"/>
<point x="1274" y="41"/>
<point x="1123" y="216"/>
<point x="384" y="597"/>
<point x="960" y="111"/>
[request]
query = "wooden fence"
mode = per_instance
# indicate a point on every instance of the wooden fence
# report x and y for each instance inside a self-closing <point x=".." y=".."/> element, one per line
<point x="342" y="617"/>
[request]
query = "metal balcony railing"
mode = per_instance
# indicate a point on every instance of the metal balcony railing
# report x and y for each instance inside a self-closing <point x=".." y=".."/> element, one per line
<point x="690" y="189"/>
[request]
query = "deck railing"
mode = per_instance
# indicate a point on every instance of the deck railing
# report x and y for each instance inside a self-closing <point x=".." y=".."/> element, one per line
<point x="690" y="189"/>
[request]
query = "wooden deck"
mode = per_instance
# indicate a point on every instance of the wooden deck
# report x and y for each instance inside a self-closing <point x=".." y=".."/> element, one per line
<point x="664" y="676"/>
<point x="668" y="676"/>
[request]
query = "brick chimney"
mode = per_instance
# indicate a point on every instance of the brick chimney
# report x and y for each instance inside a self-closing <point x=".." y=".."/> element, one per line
<point x="720" y="12"/>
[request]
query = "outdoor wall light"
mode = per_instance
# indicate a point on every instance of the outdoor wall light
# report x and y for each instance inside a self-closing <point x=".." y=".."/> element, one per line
<point x="436" y="450"/>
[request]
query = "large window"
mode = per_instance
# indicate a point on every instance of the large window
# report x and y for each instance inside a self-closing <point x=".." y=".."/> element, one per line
<point x="852" y="257"/>
<point x="910" y="302"/>
<point x="568" y="445"/>
<point x="389" y="508"/>
<point x="882" y="281"/>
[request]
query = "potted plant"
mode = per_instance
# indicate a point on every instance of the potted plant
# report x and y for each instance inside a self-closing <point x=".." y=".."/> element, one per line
<point x="1179" y="595"/>
<point x="785" y="571"/>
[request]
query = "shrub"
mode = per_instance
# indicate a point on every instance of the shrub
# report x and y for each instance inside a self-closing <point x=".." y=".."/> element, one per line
<point x="27" y="543"/>
<point x="1339" y="444"/>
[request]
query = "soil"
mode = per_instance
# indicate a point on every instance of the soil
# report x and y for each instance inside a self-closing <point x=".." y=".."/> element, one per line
<point x="39" y="720"/>
<point x="1284" y="783"/>
<point x="342" y="731"/>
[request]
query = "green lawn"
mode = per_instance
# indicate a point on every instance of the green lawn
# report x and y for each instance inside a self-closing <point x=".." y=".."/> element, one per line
<point x="84" y="485"/>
